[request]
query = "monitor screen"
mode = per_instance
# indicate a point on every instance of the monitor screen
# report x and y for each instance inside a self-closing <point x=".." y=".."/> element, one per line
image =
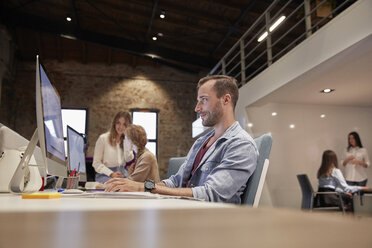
<point x="49" y="134"/>
<point x="52" y="118"/>
<point x="76" y="155"/>
<point x="49" y="123"/>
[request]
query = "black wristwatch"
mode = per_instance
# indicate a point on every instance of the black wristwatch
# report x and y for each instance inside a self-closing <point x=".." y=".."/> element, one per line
<point x="149" y="185"/>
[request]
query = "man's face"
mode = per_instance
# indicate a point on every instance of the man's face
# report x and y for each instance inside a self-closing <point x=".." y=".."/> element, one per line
<point x="208" y="106"/>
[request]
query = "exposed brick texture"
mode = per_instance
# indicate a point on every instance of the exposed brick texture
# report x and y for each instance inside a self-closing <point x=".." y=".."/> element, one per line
<point x="104" y="90"/>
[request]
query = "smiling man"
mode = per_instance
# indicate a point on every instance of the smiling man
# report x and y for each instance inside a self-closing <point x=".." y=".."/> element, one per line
<point x="220" y="163"/>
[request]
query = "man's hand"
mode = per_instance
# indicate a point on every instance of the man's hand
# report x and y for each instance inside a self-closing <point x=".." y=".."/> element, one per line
<point x="123" y="185"/>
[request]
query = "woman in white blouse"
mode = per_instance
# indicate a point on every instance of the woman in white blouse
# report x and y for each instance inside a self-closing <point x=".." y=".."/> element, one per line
<point x="109" y="152"/>
<point x="356" y="161"/>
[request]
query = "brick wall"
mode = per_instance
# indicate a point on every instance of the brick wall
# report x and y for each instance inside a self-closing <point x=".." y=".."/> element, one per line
<point x="104" y="90"/>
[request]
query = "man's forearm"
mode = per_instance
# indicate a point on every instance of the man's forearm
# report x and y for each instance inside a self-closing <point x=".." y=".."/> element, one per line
<point x="162" y="189"/>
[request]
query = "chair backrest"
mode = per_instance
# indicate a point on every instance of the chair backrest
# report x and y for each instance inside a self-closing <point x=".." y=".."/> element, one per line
<point x="174" y="165"/>
<point x="253" y="190"/>
<point x="307" y="191"/>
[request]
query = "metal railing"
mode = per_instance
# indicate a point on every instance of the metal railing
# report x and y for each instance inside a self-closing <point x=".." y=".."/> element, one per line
<point x="247" y="59"/>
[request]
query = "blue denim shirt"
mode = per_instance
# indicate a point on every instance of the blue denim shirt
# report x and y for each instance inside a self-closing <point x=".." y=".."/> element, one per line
<point x="224" y="170"/>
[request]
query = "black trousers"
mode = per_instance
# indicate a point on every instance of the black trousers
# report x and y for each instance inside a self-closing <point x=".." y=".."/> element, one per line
<point x="333" y="200"/>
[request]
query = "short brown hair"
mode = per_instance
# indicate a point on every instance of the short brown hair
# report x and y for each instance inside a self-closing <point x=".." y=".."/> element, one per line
<point x="137" y="135"/>
<point x="128" y="120"/>
<point x="223" y="85"/>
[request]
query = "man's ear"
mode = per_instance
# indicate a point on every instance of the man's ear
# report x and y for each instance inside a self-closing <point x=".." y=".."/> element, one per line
<point x="226" y="99"/>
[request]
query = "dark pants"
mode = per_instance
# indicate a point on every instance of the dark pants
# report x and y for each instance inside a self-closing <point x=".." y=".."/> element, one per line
<point x="362" y="183"/>
<point x="102" y="178"/>
<point x="333" y="200"/>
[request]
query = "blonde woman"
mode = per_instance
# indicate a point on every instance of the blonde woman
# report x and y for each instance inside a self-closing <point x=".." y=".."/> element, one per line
<point x="144" y="166"/>
<point x="109" y="152"/>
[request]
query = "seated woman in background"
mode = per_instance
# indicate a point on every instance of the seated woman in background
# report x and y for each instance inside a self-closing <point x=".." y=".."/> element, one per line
<point x="331" y="179"/>
<point x="356" y="161"/>
<point x="109" y="152"/>
<point x="144" y="166"/>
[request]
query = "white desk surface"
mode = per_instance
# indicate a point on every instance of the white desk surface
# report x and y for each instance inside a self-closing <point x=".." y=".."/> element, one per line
<point x="169" y="223"/>
<point x="15" y="203"/>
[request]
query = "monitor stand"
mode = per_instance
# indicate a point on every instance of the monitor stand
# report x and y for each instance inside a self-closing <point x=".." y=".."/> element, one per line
<point x="17" y="183"/>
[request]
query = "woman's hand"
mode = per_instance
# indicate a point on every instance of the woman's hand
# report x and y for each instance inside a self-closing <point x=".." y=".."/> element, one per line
<point x="117" y="174"/>
<point x="351" y="157"/>
<point x="123" y="185"/>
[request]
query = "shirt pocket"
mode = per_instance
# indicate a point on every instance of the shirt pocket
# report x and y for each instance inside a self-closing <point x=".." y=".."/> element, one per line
<point x="208" y="166"/>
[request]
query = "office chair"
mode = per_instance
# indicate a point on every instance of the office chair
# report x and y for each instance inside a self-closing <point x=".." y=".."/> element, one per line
<point x="174" y="165"/>
<point x="252" y="193"/>
<point x="310" y="199"/>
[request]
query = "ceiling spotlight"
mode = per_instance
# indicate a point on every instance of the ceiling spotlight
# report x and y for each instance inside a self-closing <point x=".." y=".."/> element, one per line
<point x="274" y="113"/>
<point x="322" y="116"/>
<point x="292" y="126"/>
<point x="327" y="90"/>
<point x="154" y="38"/>
<point x="162" y="14"/>
<point x="68" y="19"/>
<point x="160" y="34"/>
<point x="250" y="124"/>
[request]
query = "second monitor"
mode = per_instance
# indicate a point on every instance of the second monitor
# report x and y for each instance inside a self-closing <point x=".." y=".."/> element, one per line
<point x="76" y="154"/>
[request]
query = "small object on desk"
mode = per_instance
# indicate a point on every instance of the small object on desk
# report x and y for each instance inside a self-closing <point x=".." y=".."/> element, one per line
<point x="43" y="195"/>
<point x="72" y="191"/>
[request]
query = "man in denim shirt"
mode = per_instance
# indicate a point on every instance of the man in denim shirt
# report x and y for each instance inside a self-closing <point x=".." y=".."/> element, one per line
<point x="220" y="163"/>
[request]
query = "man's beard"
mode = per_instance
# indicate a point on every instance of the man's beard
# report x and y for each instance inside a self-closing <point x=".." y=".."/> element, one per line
<point x="213" y="116"/>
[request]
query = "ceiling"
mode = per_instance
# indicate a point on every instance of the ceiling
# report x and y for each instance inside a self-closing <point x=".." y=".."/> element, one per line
<point x="195" y="33"/>
<point x="349" y="73"/>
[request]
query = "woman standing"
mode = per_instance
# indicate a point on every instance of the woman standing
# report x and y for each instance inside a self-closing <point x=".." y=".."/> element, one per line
<point x="109" y="152"/>
<point x="356" y="161"/>
<point x="144" y="166"/>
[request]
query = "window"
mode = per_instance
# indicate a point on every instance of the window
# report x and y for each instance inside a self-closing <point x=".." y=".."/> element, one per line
<point x="148" y="119"/>
<point x="75" y="118"/>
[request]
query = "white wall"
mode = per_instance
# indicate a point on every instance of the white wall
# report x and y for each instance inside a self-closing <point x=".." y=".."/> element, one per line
<point x="299" y="150"/>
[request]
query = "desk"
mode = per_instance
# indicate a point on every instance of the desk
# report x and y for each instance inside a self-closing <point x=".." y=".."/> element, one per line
<point x="199" y="225"/>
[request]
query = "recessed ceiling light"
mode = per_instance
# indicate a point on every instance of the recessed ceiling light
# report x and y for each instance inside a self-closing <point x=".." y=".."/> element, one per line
<point x="327" y="90"/>
<point x="292" y="126"/>
<point x="322" y="116"/>
<point x="162" y="14"/>
<point x="160" y="34"/>
<point x="68" y="19"/>
<point x="154" y="38"/>
<point x="250" y="124"/>
<point x="274" y="113"/>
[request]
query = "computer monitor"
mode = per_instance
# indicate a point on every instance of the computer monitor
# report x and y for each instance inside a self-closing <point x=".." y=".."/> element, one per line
<point x="49" y="132"/>
<point x="76" y="155"/>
